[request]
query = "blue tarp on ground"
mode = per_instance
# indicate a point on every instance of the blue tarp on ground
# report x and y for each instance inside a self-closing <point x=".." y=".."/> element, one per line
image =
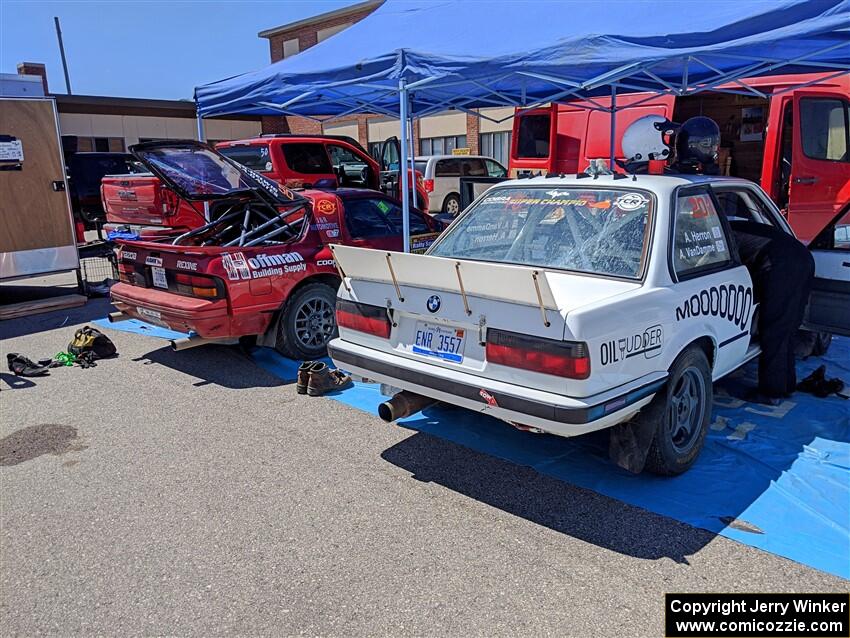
<point x="517" y="53"/>
<point x="140" y="327"/>
<point x="775" y="478"/>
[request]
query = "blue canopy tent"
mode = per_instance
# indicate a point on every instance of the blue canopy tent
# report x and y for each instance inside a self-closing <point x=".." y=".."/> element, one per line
<point x="422" y="58"/>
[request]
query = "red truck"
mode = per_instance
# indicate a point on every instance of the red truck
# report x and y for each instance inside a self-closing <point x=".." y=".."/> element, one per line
<point x="794" y="141"/>
<point x="262" y="266"/>
<point x="141" y="205"/>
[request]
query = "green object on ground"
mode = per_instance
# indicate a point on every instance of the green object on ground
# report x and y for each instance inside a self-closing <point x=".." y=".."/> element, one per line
<point x="65" y="358"/>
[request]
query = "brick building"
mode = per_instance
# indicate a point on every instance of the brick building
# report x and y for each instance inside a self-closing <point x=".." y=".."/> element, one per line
<point x="433" y="135"/>
<point x="101" y="123"/>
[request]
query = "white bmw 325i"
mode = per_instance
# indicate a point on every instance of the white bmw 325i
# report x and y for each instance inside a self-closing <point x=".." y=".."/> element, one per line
<point x="571" y="304"/>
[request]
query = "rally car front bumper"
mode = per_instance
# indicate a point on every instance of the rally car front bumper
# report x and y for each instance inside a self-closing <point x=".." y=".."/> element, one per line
<point x="554" y="413"/>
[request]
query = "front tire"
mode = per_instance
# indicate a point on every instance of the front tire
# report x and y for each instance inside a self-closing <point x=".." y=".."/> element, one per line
<point x="682" y="412"/>
<point x="307" y="322"/>
<point x="451" y="204"/>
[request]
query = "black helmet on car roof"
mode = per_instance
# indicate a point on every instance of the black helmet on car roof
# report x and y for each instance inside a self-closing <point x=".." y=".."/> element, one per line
<point x="697" y="141"/>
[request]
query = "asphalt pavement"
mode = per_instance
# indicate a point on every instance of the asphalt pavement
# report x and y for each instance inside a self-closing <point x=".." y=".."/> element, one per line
<point x="193" y="493"/>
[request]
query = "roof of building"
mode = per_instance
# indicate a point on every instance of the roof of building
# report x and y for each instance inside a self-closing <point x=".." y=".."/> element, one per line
<point x="322" y="17"/>
<point x="107" y="105"/>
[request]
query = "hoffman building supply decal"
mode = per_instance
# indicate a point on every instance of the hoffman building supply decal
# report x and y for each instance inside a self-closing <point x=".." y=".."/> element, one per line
<point x="238" y="267"/>
<point x="648" y="343"/>
<point x="727" y="301"/>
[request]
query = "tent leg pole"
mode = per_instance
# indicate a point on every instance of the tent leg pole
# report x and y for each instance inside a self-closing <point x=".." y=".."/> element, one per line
<point x="613" y="147"/>
<point x="201" y="139"/>
<point x="415" y="200"/>
<point x="402" y="165"/>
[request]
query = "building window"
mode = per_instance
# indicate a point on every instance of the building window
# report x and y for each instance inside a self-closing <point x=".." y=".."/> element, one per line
<point x="441" y="145"/>
<point x="497" y="146"/>
<point x="96" y="144"/>
<point x="290" y="47"/>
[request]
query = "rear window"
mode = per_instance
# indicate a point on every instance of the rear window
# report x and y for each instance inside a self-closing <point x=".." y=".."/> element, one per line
<point x="420" y="166"/>
<point x="597" y="231"/>
<point x="255" y="156"/>
<point x="533" y="136"/>
<point x="307" y="158"/>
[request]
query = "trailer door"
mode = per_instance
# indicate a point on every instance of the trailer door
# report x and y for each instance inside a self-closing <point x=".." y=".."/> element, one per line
<point x="36" y="226"/>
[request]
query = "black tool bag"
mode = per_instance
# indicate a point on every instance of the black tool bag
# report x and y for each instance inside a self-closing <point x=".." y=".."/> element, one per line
<point x="88" y="339"/>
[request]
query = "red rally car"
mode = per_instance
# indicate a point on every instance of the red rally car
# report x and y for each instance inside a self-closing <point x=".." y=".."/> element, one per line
<point x="262" y="266"/>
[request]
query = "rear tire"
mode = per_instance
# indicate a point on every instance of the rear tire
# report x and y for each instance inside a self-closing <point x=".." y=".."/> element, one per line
<point x="681" y="411"/>
<point x="307" y="322"/>
<point x="451" y="204"/>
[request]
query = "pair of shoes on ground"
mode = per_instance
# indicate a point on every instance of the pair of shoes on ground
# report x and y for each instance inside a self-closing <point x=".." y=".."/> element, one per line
<point x="24" y="367"/>
<point x="315" y="378"/>
<point x="817" y="383"/>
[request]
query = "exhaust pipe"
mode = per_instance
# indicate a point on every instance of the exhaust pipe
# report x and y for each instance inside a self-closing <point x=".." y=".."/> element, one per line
<point x="115" y="317"/>
<point x="403" y="404"/>
<point x="194" y="341"/>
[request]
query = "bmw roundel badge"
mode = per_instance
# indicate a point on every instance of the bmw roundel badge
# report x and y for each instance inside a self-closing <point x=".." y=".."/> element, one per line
<point x="433" y="303"/>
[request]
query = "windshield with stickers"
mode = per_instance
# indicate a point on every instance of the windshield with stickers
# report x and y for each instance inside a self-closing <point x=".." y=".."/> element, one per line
<point x="590" y="230"/>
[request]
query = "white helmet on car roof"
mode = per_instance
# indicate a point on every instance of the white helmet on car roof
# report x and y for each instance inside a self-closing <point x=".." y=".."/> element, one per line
<point x="644" y="139"/>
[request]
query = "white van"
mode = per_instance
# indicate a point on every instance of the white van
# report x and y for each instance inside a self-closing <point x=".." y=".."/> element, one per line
<point x="442" y="175"/>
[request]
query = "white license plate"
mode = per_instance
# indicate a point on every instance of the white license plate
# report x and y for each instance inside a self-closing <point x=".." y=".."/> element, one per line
<point x="439" y="342"/>
<point x="159" y="279"/>
<point x="149" y="314"/>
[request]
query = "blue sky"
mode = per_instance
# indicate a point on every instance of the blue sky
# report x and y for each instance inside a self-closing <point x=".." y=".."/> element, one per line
<point x="147" y="48"/>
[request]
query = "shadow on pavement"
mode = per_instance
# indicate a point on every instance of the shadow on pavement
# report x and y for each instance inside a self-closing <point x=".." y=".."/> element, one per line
<point x="226" y="366"/>
<point x="524" y="492"/>
<point x="15" y="382"/>
<point x="94" y="309"/>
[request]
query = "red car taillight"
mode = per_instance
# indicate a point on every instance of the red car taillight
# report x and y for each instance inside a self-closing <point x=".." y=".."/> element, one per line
<point x="124" y="273"/>
<point x="560" y="358"/>
<point x="429" y="185"/>
<point x="362" y="317"/>
<point x="196" y="285"/>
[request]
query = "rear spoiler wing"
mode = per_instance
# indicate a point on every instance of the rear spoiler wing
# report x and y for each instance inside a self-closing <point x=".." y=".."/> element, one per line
<point x="518" y="284"/>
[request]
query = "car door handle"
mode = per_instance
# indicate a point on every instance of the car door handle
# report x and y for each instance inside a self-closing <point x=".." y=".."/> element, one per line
<point x="805" y="180"/>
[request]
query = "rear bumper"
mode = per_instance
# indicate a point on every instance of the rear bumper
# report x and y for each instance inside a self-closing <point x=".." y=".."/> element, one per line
<point x="207" y="318"/>
<point x="558" y="414"/>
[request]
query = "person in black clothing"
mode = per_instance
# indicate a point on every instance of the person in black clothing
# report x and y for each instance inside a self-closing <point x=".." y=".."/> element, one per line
<point x="782" y="270"/>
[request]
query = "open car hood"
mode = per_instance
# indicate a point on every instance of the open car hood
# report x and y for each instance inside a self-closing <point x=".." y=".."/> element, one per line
<point x="196" y="171"/>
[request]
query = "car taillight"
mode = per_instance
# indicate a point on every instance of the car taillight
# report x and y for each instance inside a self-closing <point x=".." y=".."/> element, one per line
<point x="560" y="358"/>
<point x="197" y="285"/>
<point x="362" y="317"/>
<point x="124" y="273"/>
<point x="429" y="185"/>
